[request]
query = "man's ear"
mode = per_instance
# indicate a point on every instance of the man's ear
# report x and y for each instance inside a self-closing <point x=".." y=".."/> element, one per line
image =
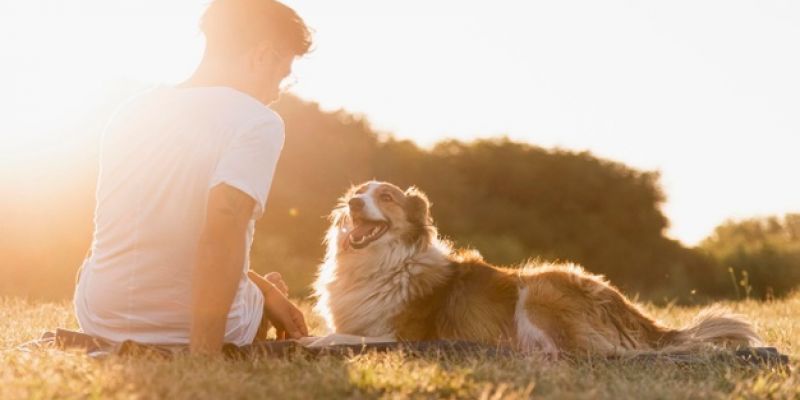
<point x="417" y="206"/>
<point x="262" y="54"/>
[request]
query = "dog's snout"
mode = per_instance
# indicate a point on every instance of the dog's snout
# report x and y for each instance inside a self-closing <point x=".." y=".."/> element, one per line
<point x="356" y="204"/>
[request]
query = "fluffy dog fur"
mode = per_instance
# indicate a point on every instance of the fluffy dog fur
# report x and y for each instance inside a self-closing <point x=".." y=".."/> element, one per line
<point x="387" y="273"/>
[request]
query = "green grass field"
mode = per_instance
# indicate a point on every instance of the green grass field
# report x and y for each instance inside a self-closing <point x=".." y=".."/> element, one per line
<point x="46" y="374"/>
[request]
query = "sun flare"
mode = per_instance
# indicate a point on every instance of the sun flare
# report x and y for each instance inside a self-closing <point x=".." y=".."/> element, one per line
<point x="657" y="99"/>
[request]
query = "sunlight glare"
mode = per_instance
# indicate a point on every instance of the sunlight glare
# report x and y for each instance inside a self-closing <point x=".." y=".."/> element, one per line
<point x="58" y="64"/>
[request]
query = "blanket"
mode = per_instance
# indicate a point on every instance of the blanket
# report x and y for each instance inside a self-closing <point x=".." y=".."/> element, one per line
<point x="343" y="345"/>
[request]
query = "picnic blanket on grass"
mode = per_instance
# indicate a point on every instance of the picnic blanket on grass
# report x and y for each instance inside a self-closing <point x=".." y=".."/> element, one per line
<point x="99" y="348"/>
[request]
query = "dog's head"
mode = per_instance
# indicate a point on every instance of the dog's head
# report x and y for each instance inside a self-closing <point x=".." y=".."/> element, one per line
<point x="376" y="213"/>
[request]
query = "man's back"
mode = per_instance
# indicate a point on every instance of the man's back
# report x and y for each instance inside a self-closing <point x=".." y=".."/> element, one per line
<point x="161" y="154"/>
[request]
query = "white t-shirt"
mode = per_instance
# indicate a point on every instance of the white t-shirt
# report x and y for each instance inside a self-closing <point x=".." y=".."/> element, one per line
<point x="161" y="154"/>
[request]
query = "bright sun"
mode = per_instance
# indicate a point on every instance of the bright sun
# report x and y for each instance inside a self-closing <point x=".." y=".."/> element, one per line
<point x="656" y="85"/>
<point x="57" y="64"/>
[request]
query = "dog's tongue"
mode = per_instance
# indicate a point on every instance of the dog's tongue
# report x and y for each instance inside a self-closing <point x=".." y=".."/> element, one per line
<point x="363" y="229"/>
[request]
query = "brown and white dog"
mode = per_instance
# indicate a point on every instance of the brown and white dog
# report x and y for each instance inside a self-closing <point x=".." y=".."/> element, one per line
<point x="388" y="274"/>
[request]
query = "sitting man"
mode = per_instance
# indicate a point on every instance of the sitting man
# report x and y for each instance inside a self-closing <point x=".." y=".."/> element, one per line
<point x="184" y="174"/>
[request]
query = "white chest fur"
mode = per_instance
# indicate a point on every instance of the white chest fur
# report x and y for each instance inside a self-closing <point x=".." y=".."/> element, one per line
<point x="361" y="293"/>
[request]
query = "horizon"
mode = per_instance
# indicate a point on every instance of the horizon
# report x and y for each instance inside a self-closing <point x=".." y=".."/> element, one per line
<point x="690" y="94"/>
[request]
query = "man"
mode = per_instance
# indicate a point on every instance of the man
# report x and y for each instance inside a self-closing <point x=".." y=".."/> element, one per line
<point x="184" y="174"/>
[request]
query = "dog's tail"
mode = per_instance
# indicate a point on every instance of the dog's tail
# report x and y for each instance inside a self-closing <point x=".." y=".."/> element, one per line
<point x="713" y="326"/>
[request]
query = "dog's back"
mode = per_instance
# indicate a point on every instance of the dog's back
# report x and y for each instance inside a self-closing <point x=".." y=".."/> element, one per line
<point x="476" y="302"/>
<point x="387" y="272"/>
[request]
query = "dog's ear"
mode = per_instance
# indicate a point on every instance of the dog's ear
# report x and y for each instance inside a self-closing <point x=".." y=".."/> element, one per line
<point x="417" y="206"/>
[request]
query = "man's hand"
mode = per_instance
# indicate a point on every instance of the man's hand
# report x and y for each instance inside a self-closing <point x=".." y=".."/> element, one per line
<point x="285" y="316"/>
<point x="276" y="279"/>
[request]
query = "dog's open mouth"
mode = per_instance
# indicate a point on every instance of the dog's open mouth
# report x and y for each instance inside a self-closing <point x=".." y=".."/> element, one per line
<point x="365" y="232"/>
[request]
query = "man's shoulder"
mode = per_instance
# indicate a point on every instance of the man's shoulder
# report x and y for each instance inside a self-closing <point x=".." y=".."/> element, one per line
<point x="240" y="110"/>
<point x="219" y="111"/>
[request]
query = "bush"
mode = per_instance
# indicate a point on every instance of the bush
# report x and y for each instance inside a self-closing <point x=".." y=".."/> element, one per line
<point x="762" y="254"/>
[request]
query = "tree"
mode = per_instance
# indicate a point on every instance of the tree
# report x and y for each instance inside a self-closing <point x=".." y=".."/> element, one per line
<point x="763" y="254"/>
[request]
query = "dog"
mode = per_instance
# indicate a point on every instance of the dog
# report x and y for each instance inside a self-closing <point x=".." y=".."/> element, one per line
<point x="387" y="273"/>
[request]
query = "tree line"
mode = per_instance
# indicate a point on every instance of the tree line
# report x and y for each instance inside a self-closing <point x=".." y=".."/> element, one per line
<point x="511" y="201"/>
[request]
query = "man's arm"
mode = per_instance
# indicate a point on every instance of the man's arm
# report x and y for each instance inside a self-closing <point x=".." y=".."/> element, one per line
<point x="218" y="268"/>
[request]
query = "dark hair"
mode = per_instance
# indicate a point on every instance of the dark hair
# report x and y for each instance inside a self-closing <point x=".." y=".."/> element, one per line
<point x="233" y="26"/>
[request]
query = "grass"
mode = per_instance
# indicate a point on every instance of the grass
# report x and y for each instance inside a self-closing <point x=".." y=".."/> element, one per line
<point x="46" y="374"/>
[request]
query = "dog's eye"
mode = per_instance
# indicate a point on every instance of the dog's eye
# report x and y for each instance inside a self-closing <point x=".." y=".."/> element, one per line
<point x="386" y="197"/>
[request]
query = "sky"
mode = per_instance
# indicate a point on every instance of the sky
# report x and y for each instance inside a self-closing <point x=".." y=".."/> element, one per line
<point x="705" y="91"/>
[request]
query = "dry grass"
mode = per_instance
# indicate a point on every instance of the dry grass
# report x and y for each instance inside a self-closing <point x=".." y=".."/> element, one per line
<point x="52" y="374"/>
